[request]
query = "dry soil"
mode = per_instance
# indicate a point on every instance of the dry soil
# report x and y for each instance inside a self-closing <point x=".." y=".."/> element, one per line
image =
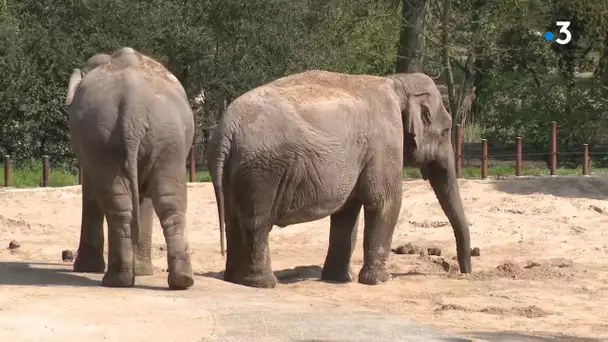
<point x="542" y="272"/>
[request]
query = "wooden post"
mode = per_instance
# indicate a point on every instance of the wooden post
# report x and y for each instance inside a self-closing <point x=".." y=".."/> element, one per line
<point x="553" y="148"/>
<point x="192" y="164"/>
<point x="458" y="153"/>
<point x="7" y="170"/>
<point x="45" y="171"/>
<point x="518" y="156"/>
<point x="484" y="159"/>
<point x="80" y="175"/>
<point x="586" y="160"/>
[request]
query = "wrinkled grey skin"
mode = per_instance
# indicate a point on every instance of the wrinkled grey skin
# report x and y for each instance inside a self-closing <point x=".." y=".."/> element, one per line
<point x="319" y="144"/>
<point x="131" y="127"/>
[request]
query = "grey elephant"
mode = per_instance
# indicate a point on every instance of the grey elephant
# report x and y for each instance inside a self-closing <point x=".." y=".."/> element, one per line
<point x="131" y="127"/>
<point x="318" y="144"/>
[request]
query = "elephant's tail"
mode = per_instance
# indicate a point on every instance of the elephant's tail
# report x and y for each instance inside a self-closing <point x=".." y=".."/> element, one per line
<point x="134" y="188"/>
<point x="131" y="141"/>
<point x="222" y="153"/>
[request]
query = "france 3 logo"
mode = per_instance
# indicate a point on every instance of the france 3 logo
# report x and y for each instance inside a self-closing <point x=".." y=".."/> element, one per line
<point x="563" y="35"/>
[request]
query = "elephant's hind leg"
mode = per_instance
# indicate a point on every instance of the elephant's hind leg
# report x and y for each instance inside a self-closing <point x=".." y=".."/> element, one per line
<point x="116" y="203"/>
<point x="342" y="240"/>
<point x="90" y="256"/>
<point x="249" y="222"/>
<point x="234" y="244"/>
<point x="169" y="196"/>
<point x="248" y="259"/>
<point x="143" y="247"/>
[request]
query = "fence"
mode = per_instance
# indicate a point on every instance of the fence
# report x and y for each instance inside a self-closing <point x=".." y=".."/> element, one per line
<point x="480" y="151"/>
<point x="463" y="152"/>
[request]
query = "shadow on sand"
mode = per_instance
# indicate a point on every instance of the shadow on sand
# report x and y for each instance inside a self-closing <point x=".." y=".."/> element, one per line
<point x="286" y="276"/>
<point x="51" y="274"/>
<point x="299" y="274"/>
<point x="563" y="186"/>
<point x="446" y="339"/>
<point x="41" y="274"/>
<point x="511" y="336"/>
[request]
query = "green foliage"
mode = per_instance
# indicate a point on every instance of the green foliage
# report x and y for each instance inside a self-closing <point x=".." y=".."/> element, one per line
<point x="230" y="46"/>
<point x="30" y="175"/>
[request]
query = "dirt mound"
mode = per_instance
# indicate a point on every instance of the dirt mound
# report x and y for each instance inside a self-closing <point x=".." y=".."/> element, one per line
<point x="533" y="270"/>
<point x="530" y="311"/>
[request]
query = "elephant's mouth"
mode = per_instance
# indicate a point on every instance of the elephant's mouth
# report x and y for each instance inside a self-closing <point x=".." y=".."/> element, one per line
<point x="433" y="148"/>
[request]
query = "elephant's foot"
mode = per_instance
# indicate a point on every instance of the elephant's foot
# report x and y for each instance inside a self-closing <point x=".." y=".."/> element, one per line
<point x="180" y="281"/>
<point x="118" y="279"/>
<point x="337" y="274"/>
<point x="143" y="267"/>
<point x="374" y="276"/>
<point x="86" y="264"/>
<point x="265" y="280"/>
<point x="180" y="275"/>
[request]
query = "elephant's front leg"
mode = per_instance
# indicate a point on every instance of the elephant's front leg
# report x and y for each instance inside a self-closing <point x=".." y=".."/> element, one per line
<point x="90" y="256"/>
<point x="380" y="221"/>
<point x="143" y="247"/>
<point x="342" y="240"/>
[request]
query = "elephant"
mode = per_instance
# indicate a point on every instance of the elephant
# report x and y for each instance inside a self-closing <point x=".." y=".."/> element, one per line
<point x="131" y="127"/>
<point x="320" y="143"/>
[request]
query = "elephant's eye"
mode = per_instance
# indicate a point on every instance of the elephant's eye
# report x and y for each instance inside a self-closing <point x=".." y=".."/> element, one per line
<point x="426" y="115"/>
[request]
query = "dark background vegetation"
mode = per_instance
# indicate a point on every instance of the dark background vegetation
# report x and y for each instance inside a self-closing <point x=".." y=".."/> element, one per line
<point x="500" y="77"/>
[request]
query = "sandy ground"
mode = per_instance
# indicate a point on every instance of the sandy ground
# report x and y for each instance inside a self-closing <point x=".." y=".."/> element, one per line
<point x="542" y="272"/>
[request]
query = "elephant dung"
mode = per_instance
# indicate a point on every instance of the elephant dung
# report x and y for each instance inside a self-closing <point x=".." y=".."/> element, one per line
<point x="407" y="249"/>
<point x="14" y="244"/>
<point x="475" y="252"/>
<point x="67" y="255"/>
<point x="434" y="251"/>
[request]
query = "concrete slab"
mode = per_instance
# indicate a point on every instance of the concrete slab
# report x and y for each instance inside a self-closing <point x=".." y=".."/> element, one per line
<point x="266" y="317"/>
<point x="48" y="302"/>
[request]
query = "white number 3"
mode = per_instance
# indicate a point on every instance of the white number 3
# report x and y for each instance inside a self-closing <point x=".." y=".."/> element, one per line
<point x="563" y="25"/>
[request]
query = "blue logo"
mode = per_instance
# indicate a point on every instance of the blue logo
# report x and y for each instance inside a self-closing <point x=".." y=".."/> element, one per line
<point x="563" y="36"/>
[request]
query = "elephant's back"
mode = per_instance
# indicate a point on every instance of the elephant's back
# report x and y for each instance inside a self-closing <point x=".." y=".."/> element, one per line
<point x="104" y="97"/>
<point x="317" y="105"/>
<point x="316" y="87"/>
<point x="103" y="85"/>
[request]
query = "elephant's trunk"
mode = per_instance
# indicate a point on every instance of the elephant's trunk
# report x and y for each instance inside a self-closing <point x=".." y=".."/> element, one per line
<point x="445" y="184"/>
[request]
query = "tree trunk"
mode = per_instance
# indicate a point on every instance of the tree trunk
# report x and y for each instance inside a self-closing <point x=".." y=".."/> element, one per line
<point x="481" y="64"/>
<point x="411" y="37"/>
<point x="604" y="71"/>
<point x="449" y="77"/>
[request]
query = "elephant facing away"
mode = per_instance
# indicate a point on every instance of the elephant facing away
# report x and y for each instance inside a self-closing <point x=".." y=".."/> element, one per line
<point x="131" y="126"/>
<point x="319" y="144"/>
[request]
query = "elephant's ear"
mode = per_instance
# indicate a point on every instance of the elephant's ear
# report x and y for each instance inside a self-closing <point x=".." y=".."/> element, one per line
<point x="75" y="79"/>
<point x="417" y="106"/>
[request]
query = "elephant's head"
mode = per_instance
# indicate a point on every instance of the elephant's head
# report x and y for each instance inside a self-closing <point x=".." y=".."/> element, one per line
<point x="426" y="122"/>
<point x="78" y="73"/>
<point x="427" y="137"/>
